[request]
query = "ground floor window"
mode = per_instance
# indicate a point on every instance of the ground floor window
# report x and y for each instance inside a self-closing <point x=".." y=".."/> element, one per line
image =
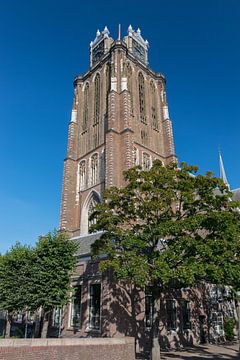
<point x="186" y="314"/>
<point x="57" y="317"/>
<point x="76" y="307"/>
<point x="171" y="314"/>
<point x="94" y="306"/>
<point x="217" y="323"/>
<point x="148" y="307"/>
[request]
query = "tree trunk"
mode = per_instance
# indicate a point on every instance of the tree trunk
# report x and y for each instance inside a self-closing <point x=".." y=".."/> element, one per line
<point x="155" y="351"/>
<point x="8" y="326"/>
<point x="45" y="323"/>
<point x="134" y="332"/>
<point x="26" y="325"/>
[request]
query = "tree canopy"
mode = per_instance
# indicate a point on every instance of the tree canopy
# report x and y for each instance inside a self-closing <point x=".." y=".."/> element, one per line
<point x="169" y="226"/>
<point x="39" y="276"/>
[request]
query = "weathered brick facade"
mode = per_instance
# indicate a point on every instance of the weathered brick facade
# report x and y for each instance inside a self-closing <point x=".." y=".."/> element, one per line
<point x="115" y="117"/>
<point x="119" y="119"/>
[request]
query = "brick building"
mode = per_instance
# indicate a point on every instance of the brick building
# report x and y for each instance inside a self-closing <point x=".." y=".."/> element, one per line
<point x="120" y="119"/>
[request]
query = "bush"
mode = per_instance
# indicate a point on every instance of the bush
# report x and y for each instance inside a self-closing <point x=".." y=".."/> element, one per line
<point x="229" y="324"/>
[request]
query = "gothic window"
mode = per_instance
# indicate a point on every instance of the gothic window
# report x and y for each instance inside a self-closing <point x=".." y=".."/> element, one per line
<point x="135" y="156"/>
<point x="129" y="84"/>
<point x="144" y="137"/>
<point x="82" y="175"/>
<point x="171" y="313"/>
<point x="146" y="161"/>
<point x="141" y="89"/>
<point x="91" y="207"/>
<point x="154" y="106"/>
<point x="107" y="83"/>
<point x="94" y="306"/>
<point x="94" y="169"/>
<point x="97" y="100"/>
<point x="85" y="108"/>
<point x="76" y="307"/>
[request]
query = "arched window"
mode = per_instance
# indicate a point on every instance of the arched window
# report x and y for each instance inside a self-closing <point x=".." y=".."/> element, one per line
<point x="94" y="169"/>
<point x="129" y="84"/>
<point x="87" y="220"/>
<point x="92" y="203"/>
<point x="135" y="157"/>
<point x="82" y="175"/>
<point x="141" y="89"/>
<point x="85" y="108"/>
<point x="107" y="83"/>
<point x="154" y="106"/>
<point x="97" y="99"/>
<point x="146" y="161"/>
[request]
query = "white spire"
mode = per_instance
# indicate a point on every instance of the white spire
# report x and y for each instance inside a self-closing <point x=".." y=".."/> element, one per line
<point x="222" y="171"/>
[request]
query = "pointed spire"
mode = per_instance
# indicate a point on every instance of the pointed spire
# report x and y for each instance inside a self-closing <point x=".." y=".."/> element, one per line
<point x="119" y="32"/>
<point x="222" y="170"/>
<point x="130" y="29"/>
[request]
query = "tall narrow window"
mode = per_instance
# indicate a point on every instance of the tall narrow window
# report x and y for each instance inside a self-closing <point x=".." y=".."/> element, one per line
<point x="94" y="169"/>
<point x="107" y="83"/>
<point x="146" y="161"/>
<point x="82" y="175"/>
<point x="57" y="317"/>
<point x="76" y="307"/>
<point x="171" y="314"/>
<point x="97" y="100"/>
<point x="94" y="306"/>
<point x="141" y="89"/>
<point x="148" y="307"/>
<point x="91" y="207"/>
<point x="154" y="106"/>
<point x="135" y="157"/>
<point x="85" y="108"/>
<point x="186" y="314"/>
<point x="129" y="84"/>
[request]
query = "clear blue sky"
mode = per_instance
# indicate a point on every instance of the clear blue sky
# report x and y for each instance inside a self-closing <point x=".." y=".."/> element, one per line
<point x="44" y="44"/>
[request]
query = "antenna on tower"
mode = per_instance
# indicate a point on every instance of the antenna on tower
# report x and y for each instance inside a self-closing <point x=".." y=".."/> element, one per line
<point x="119" y="32"/>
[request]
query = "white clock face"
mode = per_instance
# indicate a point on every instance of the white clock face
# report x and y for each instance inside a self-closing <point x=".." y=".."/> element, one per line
<point x="98" y="52"/>
<point x="138" y="51"/>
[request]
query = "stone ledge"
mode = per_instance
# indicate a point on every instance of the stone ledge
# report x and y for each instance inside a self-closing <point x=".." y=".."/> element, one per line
<point x="65" y="342"/>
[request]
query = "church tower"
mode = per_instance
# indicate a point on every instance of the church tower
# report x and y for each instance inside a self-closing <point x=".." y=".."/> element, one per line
<point x="119" y="119"/>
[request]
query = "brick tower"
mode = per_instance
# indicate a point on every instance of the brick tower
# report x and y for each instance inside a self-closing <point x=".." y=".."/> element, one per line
<point x="119" y="119"/>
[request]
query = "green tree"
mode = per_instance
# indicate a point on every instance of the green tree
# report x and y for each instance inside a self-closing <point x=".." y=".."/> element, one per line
<point x="16" y="272"/>
<point x="168" y="228"/>
<point x="38" y="277"/>
<point x="54" y="265"/>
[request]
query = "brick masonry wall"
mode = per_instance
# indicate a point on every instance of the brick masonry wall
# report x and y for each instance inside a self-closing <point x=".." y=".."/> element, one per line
<point x="65" y="349"/>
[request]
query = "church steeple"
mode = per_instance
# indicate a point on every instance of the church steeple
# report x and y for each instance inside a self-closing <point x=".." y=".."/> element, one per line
<point x="222" y="170"/>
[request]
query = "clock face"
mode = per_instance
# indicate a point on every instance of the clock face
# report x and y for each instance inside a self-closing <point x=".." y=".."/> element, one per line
<point x="98" y="52"/>
<point x="138" y="51"/>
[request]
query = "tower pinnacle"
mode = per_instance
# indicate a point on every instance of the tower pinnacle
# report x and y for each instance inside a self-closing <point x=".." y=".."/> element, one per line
<point x="222" y="170"/>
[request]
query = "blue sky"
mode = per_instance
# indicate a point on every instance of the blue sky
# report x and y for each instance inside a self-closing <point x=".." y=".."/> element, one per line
<point x="44" y="44"/>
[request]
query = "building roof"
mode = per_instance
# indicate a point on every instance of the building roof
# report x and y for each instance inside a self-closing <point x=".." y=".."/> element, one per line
<point x="236" y="194"/>
<point x="85" y="242"/>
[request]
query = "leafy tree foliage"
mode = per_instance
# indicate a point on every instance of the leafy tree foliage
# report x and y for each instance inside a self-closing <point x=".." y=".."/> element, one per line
<point x="37" y="277"/>
<point x="169" y="227"/>
<point x="55" y="262"/>
<point x="15" y="272"/>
